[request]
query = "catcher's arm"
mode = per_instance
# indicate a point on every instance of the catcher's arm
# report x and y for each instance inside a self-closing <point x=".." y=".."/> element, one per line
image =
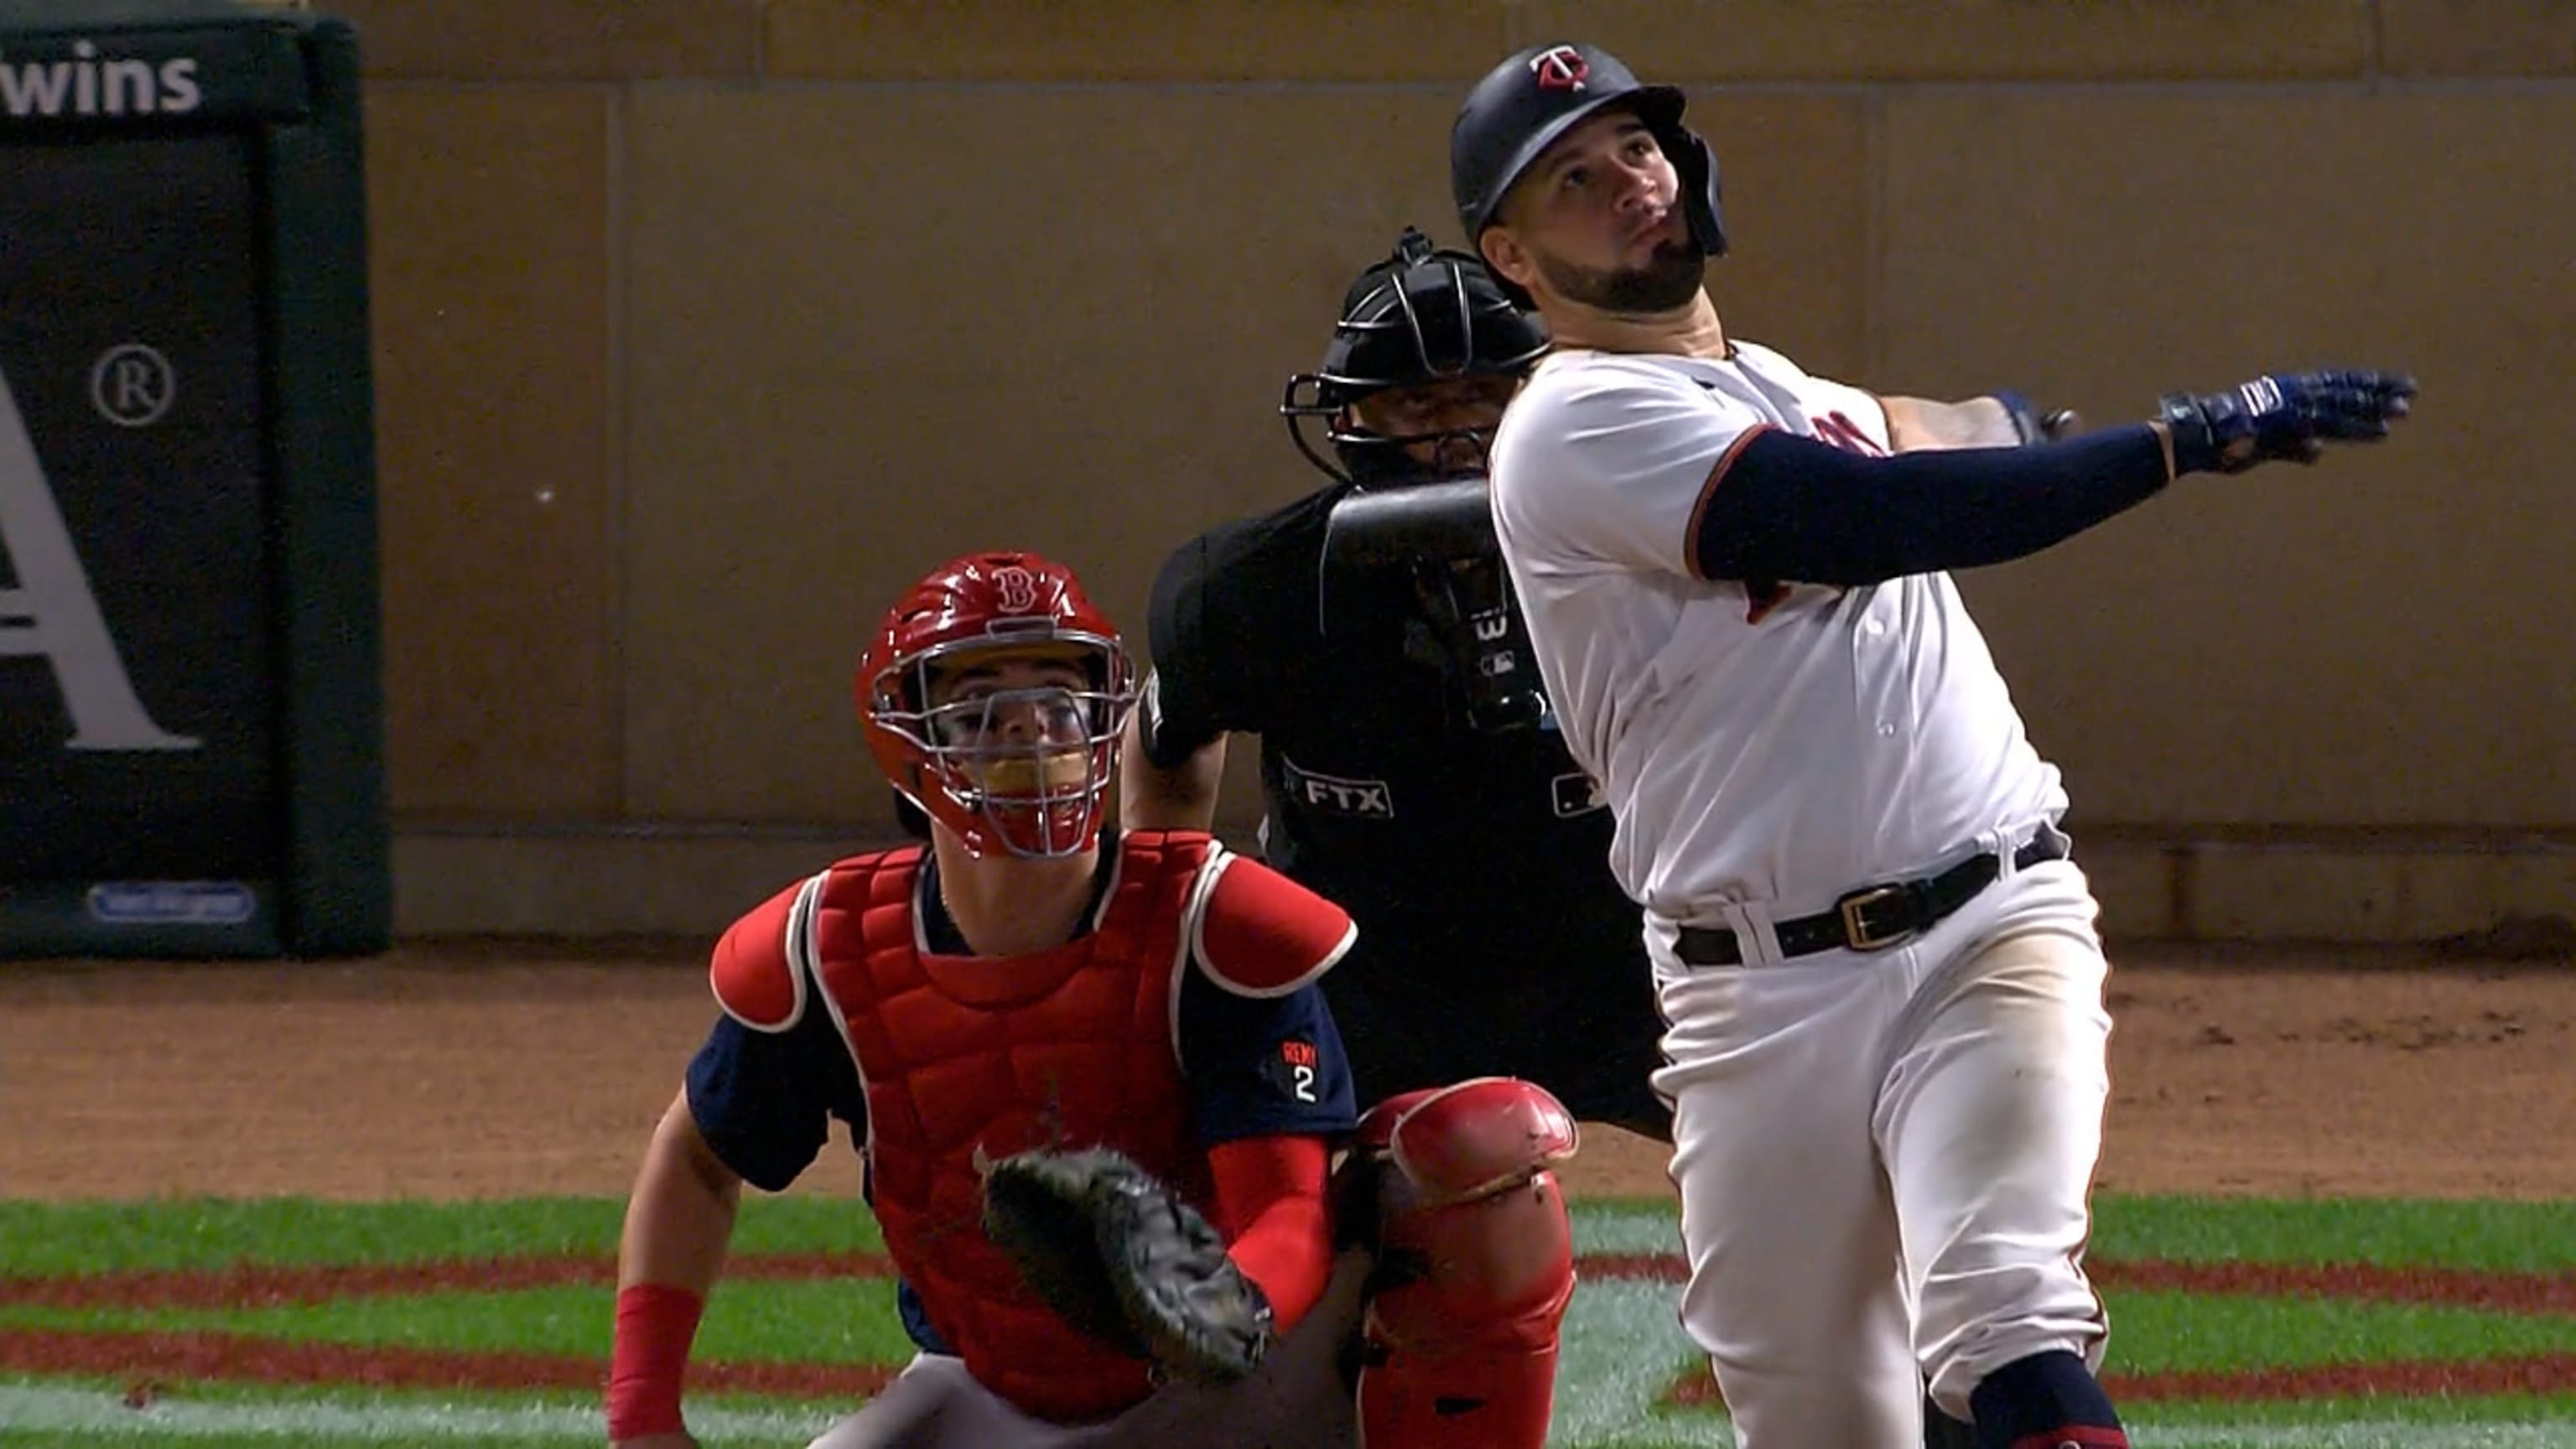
<point x="1271" y="1207"/>
<point x="678" y="1222"/>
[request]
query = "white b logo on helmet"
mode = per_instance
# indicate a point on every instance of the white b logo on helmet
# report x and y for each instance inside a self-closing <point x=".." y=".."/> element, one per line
<point x="1019" y="589"/>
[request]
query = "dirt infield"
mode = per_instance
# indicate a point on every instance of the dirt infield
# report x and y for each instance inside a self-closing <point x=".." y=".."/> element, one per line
<point x="497" y="1070"/>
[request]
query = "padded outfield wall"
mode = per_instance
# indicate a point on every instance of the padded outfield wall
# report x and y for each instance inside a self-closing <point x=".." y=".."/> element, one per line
<point x="702" y="325"/>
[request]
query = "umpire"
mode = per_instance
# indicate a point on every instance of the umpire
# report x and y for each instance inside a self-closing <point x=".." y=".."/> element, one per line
<point x="1410" y="764"/>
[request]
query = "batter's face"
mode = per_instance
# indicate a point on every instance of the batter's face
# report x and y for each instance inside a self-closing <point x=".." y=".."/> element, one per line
<point x="1448" y="423"/>
<point x="1597" y="220"/>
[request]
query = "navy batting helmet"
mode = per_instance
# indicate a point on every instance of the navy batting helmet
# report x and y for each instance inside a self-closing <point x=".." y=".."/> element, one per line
<point x="1421" y="316"/>
<point x="1521" y="107"/>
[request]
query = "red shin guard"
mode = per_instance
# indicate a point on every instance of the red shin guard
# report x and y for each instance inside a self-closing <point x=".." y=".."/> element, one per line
<point x="1476" y="1259"/>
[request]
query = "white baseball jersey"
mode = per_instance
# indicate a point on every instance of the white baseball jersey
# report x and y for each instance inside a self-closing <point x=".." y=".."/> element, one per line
<point x="1758" y="744"/>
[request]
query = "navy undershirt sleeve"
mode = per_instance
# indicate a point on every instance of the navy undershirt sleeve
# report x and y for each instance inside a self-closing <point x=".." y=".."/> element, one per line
<point x="1790" y="509"/>
<point x="1263" y="1066"/>
<point x="764" y="1101"/>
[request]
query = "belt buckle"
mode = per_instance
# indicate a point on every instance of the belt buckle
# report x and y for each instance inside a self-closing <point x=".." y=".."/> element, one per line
<point x="1856" y="932"/>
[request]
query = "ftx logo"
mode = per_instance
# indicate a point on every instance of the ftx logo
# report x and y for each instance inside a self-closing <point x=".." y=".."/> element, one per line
<point x="1335" y="795"/>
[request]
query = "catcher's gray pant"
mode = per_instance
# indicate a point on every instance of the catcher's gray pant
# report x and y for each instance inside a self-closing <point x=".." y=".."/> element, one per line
<point x="1298" y="1400"/>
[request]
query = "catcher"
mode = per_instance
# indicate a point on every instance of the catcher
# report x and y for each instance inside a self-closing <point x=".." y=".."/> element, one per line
<point x="1096" y="1091"/>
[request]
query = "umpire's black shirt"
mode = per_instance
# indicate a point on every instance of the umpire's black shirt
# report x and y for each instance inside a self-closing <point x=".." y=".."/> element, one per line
<point x="1492" y="937"/>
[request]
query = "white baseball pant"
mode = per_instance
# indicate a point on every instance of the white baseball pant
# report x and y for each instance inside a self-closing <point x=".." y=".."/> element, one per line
<point x="1885" y="1161"/>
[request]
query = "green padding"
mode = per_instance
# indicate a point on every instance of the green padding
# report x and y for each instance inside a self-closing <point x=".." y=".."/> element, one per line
<point x="79" y="63"/>
<point x="189" y="73"/>
<point x="338" y="851"/>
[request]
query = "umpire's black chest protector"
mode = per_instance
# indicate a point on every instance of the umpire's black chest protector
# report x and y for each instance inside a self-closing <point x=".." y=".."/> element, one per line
<point x="1381" y="788"/>
<point x="1423" y="560"/>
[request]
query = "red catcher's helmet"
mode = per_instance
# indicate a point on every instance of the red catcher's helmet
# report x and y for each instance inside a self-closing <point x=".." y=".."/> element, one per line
<point x="1025" y="771"/>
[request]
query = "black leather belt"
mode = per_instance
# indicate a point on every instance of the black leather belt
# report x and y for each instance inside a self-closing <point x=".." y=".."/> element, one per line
<point x="1874" y="918"/>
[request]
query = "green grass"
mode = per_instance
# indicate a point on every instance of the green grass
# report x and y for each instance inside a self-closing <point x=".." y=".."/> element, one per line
<point x="2171" y="1332"/>
<point x="2526" y="1237"/>
<point x="364" y="1396"/>
<point x="1629" y="1335"/>
<point x="2502" y="1236"/>
<point x="58" y="1238"/>
<point x="212" y="1233"/>
<point x="2464" y="1409"/>
<point x="50" y="1238"/>
<point x="277" y="1439"/>
<point x="842" y="1322"/>
<point x="148" y="1435"/>
<point x="807" y="1322"/>
<point x="53" y="1413"/>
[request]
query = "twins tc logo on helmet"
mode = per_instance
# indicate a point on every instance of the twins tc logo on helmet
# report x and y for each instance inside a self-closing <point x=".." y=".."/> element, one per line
<point x="1561" y="68"/>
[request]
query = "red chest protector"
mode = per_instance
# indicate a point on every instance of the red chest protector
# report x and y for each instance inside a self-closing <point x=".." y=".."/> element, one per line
<point x="964" y="1058"/>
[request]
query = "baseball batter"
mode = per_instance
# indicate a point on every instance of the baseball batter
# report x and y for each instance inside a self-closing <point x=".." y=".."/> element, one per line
<point x="1880" y="964"/>
<point x="1028" y="981"/>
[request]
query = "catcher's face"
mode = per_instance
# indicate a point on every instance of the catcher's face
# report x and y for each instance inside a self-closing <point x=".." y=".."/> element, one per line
<point x="1444" y="427"/>
<point x="1597" y="220"/>
<point x="1015" y="727"/>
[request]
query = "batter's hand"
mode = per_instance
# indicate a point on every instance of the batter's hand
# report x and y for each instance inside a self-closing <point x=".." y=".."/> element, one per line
<point x="2032" y="426"/>
<point x="2282" y="417"/>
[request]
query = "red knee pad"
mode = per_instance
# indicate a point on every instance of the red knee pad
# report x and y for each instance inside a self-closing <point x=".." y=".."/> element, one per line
<point x="1477" y="1264"/>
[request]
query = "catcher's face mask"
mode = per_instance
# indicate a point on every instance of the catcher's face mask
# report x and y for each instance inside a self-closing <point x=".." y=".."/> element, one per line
<point x="992" y="697"/>
<point x="1020" y="739"/>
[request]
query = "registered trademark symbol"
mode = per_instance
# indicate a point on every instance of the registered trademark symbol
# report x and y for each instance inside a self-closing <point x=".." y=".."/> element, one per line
<point x="132" y="385"/>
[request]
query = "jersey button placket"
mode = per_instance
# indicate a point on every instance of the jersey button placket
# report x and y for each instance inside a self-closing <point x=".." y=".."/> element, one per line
<point x="1873" y="629"/>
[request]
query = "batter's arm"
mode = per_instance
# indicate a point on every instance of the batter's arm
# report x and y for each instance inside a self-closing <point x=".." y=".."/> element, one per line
<point x="2000" y="420"/>
<point x="679" y="1221"/>
<point x="1780" y="506"/>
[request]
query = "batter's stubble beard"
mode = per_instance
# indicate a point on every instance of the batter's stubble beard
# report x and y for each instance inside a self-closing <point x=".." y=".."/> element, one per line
<point x="1668" y="280"/>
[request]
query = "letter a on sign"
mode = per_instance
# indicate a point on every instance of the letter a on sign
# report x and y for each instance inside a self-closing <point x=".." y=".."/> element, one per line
<point x="52" y="614"/>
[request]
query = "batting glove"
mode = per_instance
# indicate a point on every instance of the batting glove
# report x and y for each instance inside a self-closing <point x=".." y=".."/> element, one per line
<point x="2281" y="417"/>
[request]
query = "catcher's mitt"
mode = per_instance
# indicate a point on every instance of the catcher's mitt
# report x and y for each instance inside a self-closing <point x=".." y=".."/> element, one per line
<point x="1123" y="1259"/>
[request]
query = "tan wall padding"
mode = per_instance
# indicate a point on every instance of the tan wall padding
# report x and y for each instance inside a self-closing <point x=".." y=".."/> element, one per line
<point x="704" y="325"/>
